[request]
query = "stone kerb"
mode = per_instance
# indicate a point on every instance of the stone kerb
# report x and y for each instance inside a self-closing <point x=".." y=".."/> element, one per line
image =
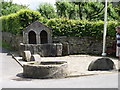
<point x="102" y="64"/>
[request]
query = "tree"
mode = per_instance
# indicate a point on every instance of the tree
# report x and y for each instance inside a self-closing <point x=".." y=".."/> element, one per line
<point x="94" y="10"/>
<point x="66" y="9"/>
<point x="116" y="6"/>
<point x="61" y="8"/>
<point x="80" y="8"/>
<point x="72" y="11"/>
<point x="86" y="10"/>
<point x="9" y="7"/>
<point x="47" y="10"/>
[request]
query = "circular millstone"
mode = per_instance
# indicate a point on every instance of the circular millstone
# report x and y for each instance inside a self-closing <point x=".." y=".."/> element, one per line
<point x="101" y="64"/>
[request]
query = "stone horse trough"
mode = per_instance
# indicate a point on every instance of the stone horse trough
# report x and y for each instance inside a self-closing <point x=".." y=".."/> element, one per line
<point x="45" y="69"/>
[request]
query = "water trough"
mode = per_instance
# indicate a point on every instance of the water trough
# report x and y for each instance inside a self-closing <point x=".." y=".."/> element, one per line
<point x="46" y="69"/>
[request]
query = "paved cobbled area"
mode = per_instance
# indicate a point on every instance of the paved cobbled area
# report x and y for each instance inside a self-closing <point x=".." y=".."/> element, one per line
<point x="78" y="64"/>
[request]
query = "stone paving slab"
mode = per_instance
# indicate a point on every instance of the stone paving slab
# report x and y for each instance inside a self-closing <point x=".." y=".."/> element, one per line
<point x="78" y="64"/>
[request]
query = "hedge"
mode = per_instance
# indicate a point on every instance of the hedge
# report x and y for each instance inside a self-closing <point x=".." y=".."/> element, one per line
<point x="66" y="27"/>
<point x="15" y="23"/>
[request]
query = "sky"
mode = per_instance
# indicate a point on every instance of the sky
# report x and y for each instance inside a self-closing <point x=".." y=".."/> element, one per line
<point x="32" y="4"/>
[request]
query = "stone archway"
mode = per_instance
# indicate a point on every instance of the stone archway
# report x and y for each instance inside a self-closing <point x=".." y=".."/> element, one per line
<point x="43" y="37"/>
<point x="32" y="37"/>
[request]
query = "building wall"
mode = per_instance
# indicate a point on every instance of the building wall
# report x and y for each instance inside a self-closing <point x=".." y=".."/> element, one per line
<point x="37" y="27"/>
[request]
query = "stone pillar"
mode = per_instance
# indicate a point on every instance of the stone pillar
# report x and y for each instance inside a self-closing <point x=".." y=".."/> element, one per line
<point x="39" y="41"/>
<point x="26" y="55"/>
<point x="21" y="49"/>
<point x="37" y="38"/>
<point x="25" y="38"/>
<point x="59" y="49"/>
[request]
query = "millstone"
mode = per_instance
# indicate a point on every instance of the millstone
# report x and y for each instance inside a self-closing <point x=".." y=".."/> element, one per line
<point x="101" y="64"/>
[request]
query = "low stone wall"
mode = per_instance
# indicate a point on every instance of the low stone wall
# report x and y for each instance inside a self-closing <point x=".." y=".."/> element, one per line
<point x="71" y="45"/>
<point x="13" y="40"/>
<point x="84" y="45"/>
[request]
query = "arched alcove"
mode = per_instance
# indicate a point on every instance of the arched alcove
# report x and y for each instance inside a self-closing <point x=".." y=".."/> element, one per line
<point x="43" y="37"/>
<point x="32" y="37"/>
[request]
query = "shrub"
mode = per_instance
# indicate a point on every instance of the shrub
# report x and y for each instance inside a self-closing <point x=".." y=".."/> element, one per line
<point x="15" y="23"/>
<point x="66" y="27"/>
<point x="26" y="17"/>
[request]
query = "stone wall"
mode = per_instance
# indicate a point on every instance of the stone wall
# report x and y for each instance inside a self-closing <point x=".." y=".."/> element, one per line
<point x="12" y="40"/>
<point x="51" y="49"/>
<point x="75" y="45"/>
<point x="83" y="45"/>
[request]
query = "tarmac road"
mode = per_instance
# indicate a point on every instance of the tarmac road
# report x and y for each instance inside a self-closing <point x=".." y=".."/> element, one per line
<point x="10" y="70"/>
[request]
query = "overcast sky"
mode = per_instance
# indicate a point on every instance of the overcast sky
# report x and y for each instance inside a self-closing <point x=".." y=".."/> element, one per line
<point x="32" y="4"/>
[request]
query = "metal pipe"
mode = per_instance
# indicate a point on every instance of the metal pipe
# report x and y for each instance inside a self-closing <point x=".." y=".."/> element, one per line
<point x="17" y="60"/>
<point x="105" y="30"/>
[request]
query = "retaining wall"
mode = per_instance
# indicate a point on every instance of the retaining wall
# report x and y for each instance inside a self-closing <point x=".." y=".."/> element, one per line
<point x="71" y="45"/>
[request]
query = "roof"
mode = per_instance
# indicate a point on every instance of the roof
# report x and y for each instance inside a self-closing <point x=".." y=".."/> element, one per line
<point x="38" y="23"/>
